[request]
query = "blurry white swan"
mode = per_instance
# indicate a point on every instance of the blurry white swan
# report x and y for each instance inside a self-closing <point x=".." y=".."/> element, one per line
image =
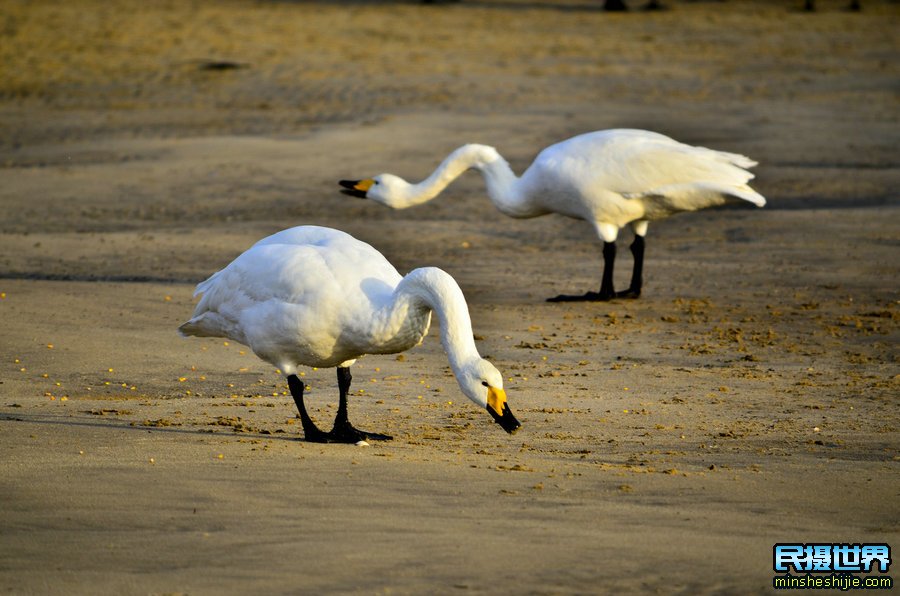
<point x="608" y="178"/>
<point x="319" y="297"/>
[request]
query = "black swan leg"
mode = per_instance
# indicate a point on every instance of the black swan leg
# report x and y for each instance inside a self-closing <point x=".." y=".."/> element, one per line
<point x="311" y="432"/>
<point x="607" y="291"/>
<point x="637" y="274"/>
<point x="343" y="431"/>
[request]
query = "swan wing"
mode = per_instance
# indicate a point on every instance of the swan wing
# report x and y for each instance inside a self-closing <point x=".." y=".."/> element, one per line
<point x="258" y="289"/>
<point x="300" y="291"/>
<point x="638" y="161"/>
<point x="675" y="198"/>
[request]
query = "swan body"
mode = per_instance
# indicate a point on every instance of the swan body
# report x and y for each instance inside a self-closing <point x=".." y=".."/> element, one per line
<point x="609" y="178"/>
<point x="313" y="296"/>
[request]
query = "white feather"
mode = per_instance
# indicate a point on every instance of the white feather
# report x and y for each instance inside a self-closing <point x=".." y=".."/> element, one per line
<point x="319" y="297"/>
<point x="609" y="178"/>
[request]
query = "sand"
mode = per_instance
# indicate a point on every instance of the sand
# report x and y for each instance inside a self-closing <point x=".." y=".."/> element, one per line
<point x="749" y="397"/>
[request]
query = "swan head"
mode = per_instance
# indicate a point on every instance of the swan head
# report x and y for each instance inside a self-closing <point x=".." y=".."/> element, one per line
<point x="387" y="189"/>
<point x="483" y="384"/>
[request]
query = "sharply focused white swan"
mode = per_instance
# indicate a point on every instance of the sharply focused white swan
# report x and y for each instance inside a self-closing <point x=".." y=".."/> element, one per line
<point x="319" y="297"/>
<point x="609" y="178"/>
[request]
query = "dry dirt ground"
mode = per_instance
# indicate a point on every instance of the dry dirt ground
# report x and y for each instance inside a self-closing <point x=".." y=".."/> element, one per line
<point x="748" y="398"/>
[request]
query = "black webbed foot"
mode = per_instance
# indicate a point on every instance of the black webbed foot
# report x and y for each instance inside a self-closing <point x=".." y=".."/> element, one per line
<point x="586" y="297"/>
<point x="314" y="435"/>
<point x="344" y="432"/>
<point x="344" y="435"/>
<point x="630" y="293"/>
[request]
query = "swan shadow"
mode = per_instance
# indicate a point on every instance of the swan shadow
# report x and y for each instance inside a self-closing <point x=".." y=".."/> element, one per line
<point x="148" y="279"/>
<point x="132" y="425"/>
<point x="596" y="6"/>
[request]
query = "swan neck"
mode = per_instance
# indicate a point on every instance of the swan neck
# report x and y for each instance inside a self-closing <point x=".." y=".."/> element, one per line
<point x="472" y="156"/>
<point x="432" y="288"/>
<point x="503" y="188"/>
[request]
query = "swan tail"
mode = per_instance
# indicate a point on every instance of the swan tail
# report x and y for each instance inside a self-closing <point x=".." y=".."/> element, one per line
<point x="210" y="324"/>
<point x="736" y="159"/>
<point x="667" y="200"/>
<point x="196" y="327"/>
<point x="186" y="330"/>
<point x="207" y="322"/>
<point x="746" y="193"/>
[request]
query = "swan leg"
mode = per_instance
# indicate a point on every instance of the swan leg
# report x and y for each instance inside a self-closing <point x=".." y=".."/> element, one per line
<point x="615" y="6"/>
<point x="343" y="431"/>
<point x="607" y="291"/>
<point x="637" y="250"/>
<point x="311" y="432"/>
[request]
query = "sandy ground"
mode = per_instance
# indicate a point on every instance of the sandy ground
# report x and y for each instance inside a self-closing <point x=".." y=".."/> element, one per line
<point x="748" y="398"/>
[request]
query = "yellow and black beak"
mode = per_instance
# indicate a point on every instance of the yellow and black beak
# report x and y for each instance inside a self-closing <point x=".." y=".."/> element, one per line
<point x="499" y="409"/>
<point x="356" y="188"/>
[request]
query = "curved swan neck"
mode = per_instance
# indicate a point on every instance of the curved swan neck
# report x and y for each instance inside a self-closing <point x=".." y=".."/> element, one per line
<point x="503" y="188"/>
<point x="487" y="160"/>
<point x="436" y="290"/>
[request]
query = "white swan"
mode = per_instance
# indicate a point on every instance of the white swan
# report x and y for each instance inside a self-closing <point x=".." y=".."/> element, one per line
<point x="319" y="297"/>
<point x="608" y="178"/>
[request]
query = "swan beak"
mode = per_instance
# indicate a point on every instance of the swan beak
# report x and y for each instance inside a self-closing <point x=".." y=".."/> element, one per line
<point x="499" y="409"/>
<point x="356" y="188"/>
